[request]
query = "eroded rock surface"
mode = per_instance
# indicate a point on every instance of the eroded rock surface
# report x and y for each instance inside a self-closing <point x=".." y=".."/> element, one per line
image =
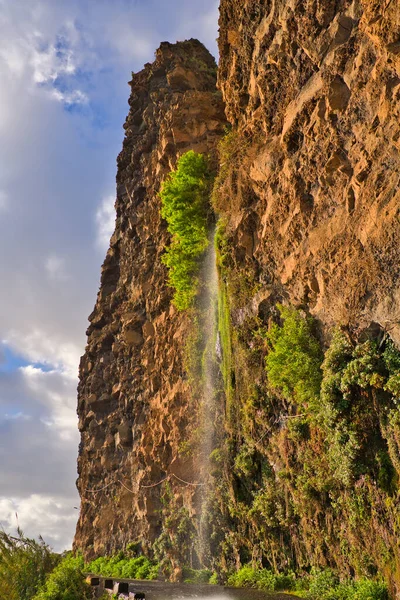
<point x="133" y="397"/>
<point x="313" y="87"/>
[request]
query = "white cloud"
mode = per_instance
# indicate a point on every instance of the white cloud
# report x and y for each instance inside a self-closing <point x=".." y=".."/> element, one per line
<point x="63" y="100"/>
<point x="39" y="347"/>
<point x="105" y="220"/>
<point x="51" y="517"/>
<point x="49" y="64"/>
<point x="75" y="97"/>
<point x="38" y="447"/>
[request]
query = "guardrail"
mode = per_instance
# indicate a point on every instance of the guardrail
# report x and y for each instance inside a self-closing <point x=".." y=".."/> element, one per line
<point x="111" y="585"/>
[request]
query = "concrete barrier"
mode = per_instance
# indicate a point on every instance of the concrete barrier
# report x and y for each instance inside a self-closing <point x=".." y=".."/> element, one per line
<point x="126" y="588"/>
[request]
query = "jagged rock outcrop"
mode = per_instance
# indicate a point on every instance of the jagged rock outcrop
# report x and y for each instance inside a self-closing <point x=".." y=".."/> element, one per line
<point x="313" y="87"/>
<point x="134" y="406"/>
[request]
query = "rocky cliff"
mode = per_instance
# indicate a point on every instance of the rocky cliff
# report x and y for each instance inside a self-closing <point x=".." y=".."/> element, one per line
<point x="314" y="90"/>
<point x="134" y="406"/>
<point x="307" y="195"/>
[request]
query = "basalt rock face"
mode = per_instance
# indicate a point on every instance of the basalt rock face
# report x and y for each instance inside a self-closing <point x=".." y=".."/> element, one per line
<point x="309" y="195"/>
<point x="313" y="87"/>
<point x="133" y="395"/>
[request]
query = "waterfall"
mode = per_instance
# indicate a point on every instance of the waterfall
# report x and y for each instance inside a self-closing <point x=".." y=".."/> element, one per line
<point x="210" y="367"/>
<point x="211" y="391"/>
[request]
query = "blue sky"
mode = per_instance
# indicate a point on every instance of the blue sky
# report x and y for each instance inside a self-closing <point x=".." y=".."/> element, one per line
<point x="64" y="67"/>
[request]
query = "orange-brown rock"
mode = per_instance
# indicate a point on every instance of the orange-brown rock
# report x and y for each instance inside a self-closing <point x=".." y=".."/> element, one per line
<point x="310" y="194"/>
<point x="133" y="397"/>
<point x="313" y="87"/>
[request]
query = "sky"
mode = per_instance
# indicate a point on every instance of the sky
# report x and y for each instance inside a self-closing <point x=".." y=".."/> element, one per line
<point x="64" y="68"/>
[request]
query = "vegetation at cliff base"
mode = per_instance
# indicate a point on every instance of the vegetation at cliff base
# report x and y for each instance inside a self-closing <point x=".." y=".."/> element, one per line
<point x="24" y="564"/>
<point x="122" y="565"/>
<point x="185" y="206"/>
<point x="66" y="582"/>
<point x="318" y="585"/>
<point x="313" y="457"/>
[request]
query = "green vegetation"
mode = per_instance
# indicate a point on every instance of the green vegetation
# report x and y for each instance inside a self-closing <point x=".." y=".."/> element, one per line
<point x="185" y="206"/>
<point x="320" y="585"/>
<point x="199" y="576"/>
<point x="24" y="564"/>
<point x="325" y="585"/>
<point x="121" y="565"/>
<point x="262" y="579"/>
<point x="309" y="472"/>
<point x="295" y="357"/>
<point x="176" y="542"/>
<point x="66" y="582"/>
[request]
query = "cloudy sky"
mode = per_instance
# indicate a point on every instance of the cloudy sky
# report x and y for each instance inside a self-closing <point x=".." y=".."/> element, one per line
<point x="64" y="65"/>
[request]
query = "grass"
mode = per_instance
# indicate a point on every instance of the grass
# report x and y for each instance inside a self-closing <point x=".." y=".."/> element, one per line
<point x="66" y="582"/>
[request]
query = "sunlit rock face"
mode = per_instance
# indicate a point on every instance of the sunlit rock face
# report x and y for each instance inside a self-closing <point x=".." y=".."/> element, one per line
<point x="314" y="86"/>
<point x="133" y="403"/>
<point x="311" y="202"/>
<point x="309" y="196"/>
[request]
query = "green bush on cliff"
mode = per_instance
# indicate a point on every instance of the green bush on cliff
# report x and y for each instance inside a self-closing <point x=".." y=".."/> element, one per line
<point x="295" y="357"/>
<point x="24" y="564"/>
<point x="185" y="206"/>
<point x="66" y="582"/>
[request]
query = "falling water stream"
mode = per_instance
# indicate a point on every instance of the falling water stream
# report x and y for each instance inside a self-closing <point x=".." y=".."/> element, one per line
<point x="212" y="419"/>
<point x="211" y="409"/>
<point x="212" y="416"/>
<point x="208" y="375"/>
<point x="210" y="367"/>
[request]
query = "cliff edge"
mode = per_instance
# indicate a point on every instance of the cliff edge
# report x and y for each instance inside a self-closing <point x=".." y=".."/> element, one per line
<point x="133" y="405"/>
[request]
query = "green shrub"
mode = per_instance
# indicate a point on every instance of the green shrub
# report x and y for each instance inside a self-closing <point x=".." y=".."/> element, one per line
<point x="138" y="567"/>
<point x="324" y="585"/>
<point x="66" y="582"/>
<point x="213" y="579"/>
<point x="295" y="357"/>
<point x="364" y="589"/>
<point x="24" y="564"/>
<point x="245" y="577"/>
<point x="185" y="206"/>
<point x="319" y="585"/>
<point x="262" y="579"/>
